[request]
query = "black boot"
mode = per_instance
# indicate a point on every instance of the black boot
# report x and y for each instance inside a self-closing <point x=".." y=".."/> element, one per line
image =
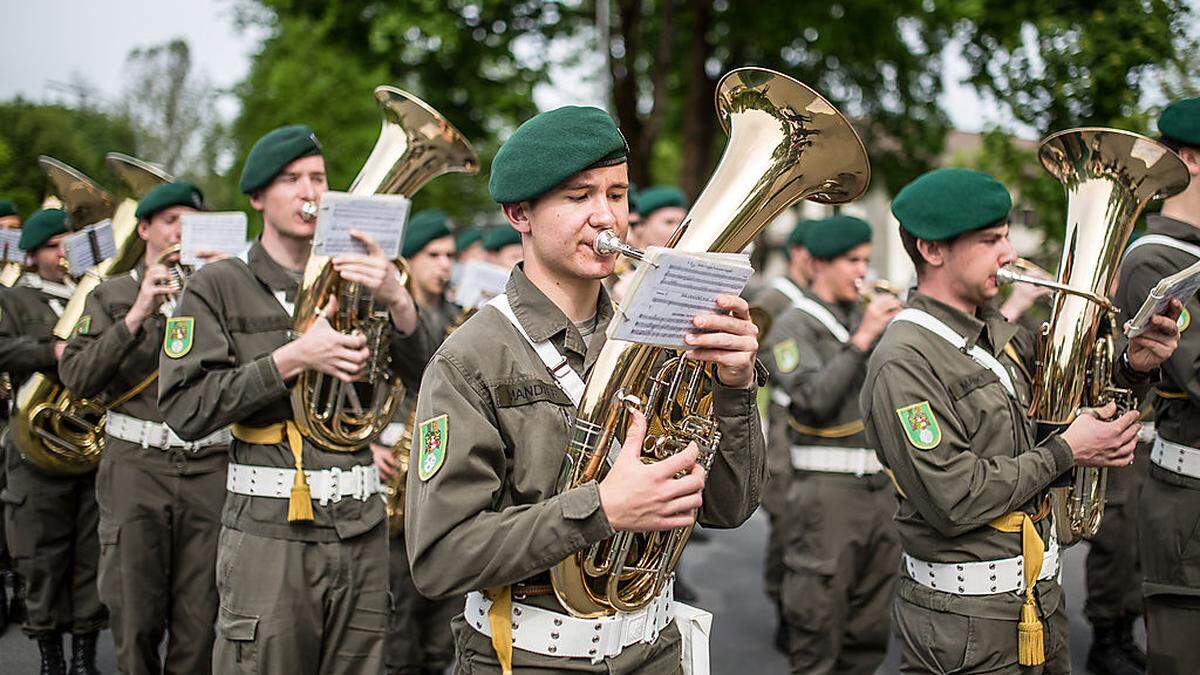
<point x="16" y="604"/>
<point x="52" y="654"/>
<point x="1106" y="656"/>
<point x="1128" y="647"/>
<point x="83" y="655"/>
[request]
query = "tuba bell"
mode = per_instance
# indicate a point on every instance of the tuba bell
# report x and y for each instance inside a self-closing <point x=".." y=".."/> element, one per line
<point x="786" y="143"/>
<point x="1110" y="176"/>
<point x="416" y="144"/>
<point x="57" y="431"/>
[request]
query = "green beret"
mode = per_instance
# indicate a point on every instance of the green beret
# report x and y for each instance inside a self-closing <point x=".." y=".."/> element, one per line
<point x="467" y="236"/>
<point x="796" y="238"/>
<point x="496" y="238"/>
<point x="423" y="228"/>
<point x="550" y="148"/>
<point x="273" y="152"/>
<point x="660" y="197"/>
<point x="945" y="203"/>
<point x="42" y="225"/>
<point x="179" y="193"/>
<point x="1181" y="121"/>
<point x="827" y="239"/>
<point x="7" y="208"/>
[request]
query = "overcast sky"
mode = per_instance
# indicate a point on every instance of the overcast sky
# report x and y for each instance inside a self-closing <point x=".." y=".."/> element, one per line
<point x="49" y="42"/>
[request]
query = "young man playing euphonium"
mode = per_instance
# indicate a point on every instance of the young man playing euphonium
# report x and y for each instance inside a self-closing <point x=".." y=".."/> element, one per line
<point x="944" y="403"/>
<point x="302" y="558"/>
<point x="484" y="511"/>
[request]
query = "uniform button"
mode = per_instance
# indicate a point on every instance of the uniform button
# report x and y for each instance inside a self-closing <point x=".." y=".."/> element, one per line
<point x="552" y="649"/>
<point x="558" y="622"/>
<point x="596" y="639"/>
<point x="591" y="652"/>
<point x="554" y="635"/>
<point x="516" y="611"/>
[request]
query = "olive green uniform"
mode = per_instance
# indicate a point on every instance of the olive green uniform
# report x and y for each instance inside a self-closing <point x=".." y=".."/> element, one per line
<point x="491" y="515"/>
<point x="840" y="545"/>
<point x="419" y="639"/>
<point x="1169" y="507"/>
<point x="305" y="597"/>
<point x="51" y="520"/>
<point x="160" y="508"/>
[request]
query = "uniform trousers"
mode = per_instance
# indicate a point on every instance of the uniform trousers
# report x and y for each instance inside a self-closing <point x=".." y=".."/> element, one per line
<point x="299" y="607"/>
<point x="1114" y="576"/>
<point x="419" y="639"/>
<point x="51" y="527"/>
<point x="158" y="553"/>
<point x="842" y="556"/>
<point x="1169" y="518"/>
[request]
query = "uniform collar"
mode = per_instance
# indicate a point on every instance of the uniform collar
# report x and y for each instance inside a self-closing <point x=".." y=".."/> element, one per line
<point x="842" y="311"/>
<point x="987" y="322"/>
<point x="52" y="289"/>
<point x="1177" y="229"/>
<point x="543" y="320"/>
<point x="275" y="276"/>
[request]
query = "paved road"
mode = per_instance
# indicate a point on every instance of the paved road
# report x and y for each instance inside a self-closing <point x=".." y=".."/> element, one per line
<point x="726" y="570"/>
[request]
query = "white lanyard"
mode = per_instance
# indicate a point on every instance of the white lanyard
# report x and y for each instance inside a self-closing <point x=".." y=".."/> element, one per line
<point x="566" y="377"/>
<point x="1164" y="240"/>
<point x="785" y="286"/>
<point x="818" y="312"/>
<point x="62" y="291"/>
<point x="978" y="354"/>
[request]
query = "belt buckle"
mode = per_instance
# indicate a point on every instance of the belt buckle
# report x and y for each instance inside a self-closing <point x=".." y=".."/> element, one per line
<point x="333" y="488"/>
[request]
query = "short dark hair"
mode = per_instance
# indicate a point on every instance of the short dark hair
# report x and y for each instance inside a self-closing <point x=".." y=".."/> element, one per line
<point x="1176" y="145"/>
<point x="910" y="247"/>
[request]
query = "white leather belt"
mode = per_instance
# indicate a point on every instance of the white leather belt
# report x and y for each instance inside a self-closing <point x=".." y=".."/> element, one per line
<point x="857" y="461"/>
<point x="157" y="434"/>
<point x="553" y="634"/>
<point x="1176" y="457"/>
<point x="988" y="577"/>
<point x="327" y="485"/>
<point x="391" y="433"/>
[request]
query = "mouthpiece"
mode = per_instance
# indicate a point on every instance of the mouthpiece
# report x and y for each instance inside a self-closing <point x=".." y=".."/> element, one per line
<point x="308" y="210"/>
<point x="608" y="243"/>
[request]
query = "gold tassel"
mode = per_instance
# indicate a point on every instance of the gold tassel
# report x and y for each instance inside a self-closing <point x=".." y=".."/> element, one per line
<point x="300" y="504"/>
<point x="500" y="621"/>
<point x="1031" y="648"/>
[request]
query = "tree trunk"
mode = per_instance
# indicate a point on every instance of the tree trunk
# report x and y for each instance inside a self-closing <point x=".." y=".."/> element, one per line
<point x="699" y="124"/>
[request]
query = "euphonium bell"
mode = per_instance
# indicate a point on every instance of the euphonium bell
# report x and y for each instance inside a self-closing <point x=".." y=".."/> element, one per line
<point x="416" y="145"/>
<point x="786" y="143"/>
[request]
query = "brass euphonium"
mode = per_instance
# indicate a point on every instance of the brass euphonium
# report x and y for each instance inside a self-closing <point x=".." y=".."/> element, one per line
<point x="786" y="143"/>
<point x="416" y="145"/>
<point x="1110" y="176"/>
<point x="57" y="431"/>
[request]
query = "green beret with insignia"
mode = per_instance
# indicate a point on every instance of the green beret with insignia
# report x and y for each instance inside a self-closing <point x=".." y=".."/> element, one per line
<point x="660" y="197"/>
<point x="179" y="193"/>
<point x="945" y="203"/>
<point x="466" y="236"/>
<point x="827" y="239"/>
<point x="42" y="225"/>
<point x="273" y="152"/>
<point x="1180" y="121"/>
<point x="796" y="238"/>
<point x="423" y="228"/>
<point x="496" y="238"/>
<point x="550" y="148"/>
<point x="7" y="208"/>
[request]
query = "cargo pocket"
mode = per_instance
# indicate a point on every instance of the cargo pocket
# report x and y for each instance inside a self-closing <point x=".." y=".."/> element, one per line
<point x="366" y="627"/>
<point x="238" y="632"/>
<point x="108" y="580"/>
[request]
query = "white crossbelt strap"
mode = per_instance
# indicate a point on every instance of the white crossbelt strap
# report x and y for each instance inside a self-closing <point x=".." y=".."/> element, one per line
<point x="566" y="377"/>
<point x="988" y="577"/>
<point x="978" y="354"/>
<point x="391" y="433"/>
<point x="834" y="459"/>
<point x="156" y="434"/>
<point x="815" y="310"/>
<point x="1164" y="240"/>
<point x="1176" y="457"/>
<point x="58" y="290"/>
<point x="327" y="485"/>
<point x="788" y="288"/>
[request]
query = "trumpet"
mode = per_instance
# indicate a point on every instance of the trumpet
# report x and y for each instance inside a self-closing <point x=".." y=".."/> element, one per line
<point x="869" y="288"/>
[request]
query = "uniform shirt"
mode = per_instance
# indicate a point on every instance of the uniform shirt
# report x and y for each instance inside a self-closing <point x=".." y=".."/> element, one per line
<point x="438" y="317"/>
<point x="228" y="376"/>
<point x="779" y="464"/>
<point x="104" y="360"/>
<point x="508" y="426"/>
<point x="27" y="318"/>
<point x="1179" y="407"/>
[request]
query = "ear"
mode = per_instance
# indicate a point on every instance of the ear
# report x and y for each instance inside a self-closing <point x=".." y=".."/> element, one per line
<point x="257" y="201"/>
<point x="934" y="252"/>
<point x="518" y="216"/>
<point x="1191" y="157"/>
<point x="142" y="227"/>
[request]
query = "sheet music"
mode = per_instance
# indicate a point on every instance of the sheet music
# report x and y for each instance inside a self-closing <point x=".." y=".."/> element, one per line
<point x="9" y="249"/>
<point x="224" y="232"/>
<point x="89" y="247"/>
<point x="479" y="282"/>
<point x="382" y="217"/>
<point x="1182" y="286"/>
<point x="670" y="289"/>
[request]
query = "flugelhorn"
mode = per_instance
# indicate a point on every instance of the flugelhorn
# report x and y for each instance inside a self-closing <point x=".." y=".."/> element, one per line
<point x="416" y="144"/>
<point x="786" y="143"/>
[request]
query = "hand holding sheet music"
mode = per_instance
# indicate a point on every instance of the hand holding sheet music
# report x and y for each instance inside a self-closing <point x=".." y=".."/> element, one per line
<point x="1181" y="286"/>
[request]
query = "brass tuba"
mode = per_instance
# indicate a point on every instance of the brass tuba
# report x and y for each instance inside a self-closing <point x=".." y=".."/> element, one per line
<point x="1110" y="176"/>
<point x="58" y="432"/>
<point x="786" y="143"/>
<point x="416" y="145"/>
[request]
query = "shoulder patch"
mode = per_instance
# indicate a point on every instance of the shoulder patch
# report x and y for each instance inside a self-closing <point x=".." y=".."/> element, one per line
<point x="177" y="341"/>
<point x="1184" y="320"/>
<point x="82" y="325"/>
<point x="787" y="355"/>
<point x="920" y="425"/>
<point x="431" y="445"/>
